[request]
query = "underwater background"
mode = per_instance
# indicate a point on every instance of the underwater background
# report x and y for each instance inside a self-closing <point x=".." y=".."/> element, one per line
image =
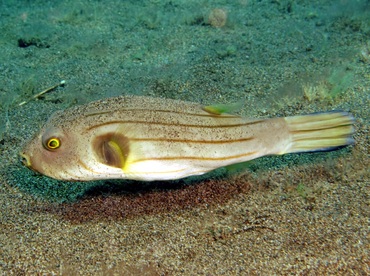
<point x="293" y="214"/>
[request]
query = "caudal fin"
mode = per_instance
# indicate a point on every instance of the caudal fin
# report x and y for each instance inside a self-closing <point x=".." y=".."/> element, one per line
<point x="320" y="131"/>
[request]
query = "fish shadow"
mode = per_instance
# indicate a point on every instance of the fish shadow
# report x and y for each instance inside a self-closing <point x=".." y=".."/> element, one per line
<point x="124" y="199"/>
<point x="117" y="200"/>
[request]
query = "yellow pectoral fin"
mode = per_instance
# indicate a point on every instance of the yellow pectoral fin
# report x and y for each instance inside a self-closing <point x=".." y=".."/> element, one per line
<point x="112" y="149"/>
<point x="219" y="109"/>
<point x="114" y="154"/>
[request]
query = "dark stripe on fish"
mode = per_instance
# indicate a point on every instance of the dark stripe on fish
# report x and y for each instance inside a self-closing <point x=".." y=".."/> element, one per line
<point x="174" y="124"/>
<point x="194" y="158"/>
<point x="192" y="141"/>
<point x="224" y="115"/>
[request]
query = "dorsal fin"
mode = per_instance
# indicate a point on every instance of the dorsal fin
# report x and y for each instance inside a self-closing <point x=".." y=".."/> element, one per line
<point x="219" y="109"/>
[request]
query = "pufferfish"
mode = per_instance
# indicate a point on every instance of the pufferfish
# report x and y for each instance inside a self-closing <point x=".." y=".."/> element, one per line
<point x="145" y="138"/>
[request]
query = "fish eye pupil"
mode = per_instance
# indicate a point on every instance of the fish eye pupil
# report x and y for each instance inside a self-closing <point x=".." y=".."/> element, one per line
<point x="53" y="143"/>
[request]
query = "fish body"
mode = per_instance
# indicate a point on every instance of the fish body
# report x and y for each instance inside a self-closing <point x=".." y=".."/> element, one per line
<point x="145" y="138"/>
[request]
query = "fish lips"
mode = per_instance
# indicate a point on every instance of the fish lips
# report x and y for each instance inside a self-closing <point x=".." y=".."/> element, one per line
<point x="26" y="160"/>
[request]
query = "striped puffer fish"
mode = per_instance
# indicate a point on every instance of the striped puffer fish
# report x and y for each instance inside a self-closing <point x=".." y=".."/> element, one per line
<point x="145" y="138"/>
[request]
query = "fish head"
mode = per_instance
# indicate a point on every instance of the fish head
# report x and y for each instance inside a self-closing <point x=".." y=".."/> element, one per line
<point x="65" y="149"/>
<point x="51" y="153"/>
<point x="55" y="150"/>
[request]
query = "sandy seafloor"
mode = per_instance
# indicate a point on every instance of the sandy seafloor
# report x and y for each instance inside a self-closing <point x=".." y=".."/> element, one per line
<point x="305" y="214"/>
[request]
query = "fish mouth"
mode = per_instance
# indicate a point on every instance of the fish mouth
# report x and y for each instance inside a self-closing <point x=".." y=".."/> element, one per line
<point x="26" y="160"/>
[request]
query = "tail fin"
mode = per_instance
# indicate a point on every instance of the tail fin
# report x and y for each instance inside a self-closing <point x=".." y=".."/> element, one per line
<point x="320" y="131"/>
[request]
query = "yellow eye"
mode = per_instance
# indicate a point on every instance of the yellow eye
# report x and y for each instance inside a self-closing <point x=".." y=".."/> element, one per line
<point x="53" y="143"/>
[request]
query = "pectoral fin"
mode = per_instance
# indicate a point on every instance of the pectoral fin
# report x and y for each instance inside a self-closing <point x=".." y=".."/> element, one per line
<point x="112" y="149"/>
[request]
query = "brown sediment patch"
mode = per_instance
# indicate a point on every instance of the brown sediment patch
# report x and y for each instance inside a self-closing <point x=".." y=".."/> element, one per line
<point x="117" y="206"/>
